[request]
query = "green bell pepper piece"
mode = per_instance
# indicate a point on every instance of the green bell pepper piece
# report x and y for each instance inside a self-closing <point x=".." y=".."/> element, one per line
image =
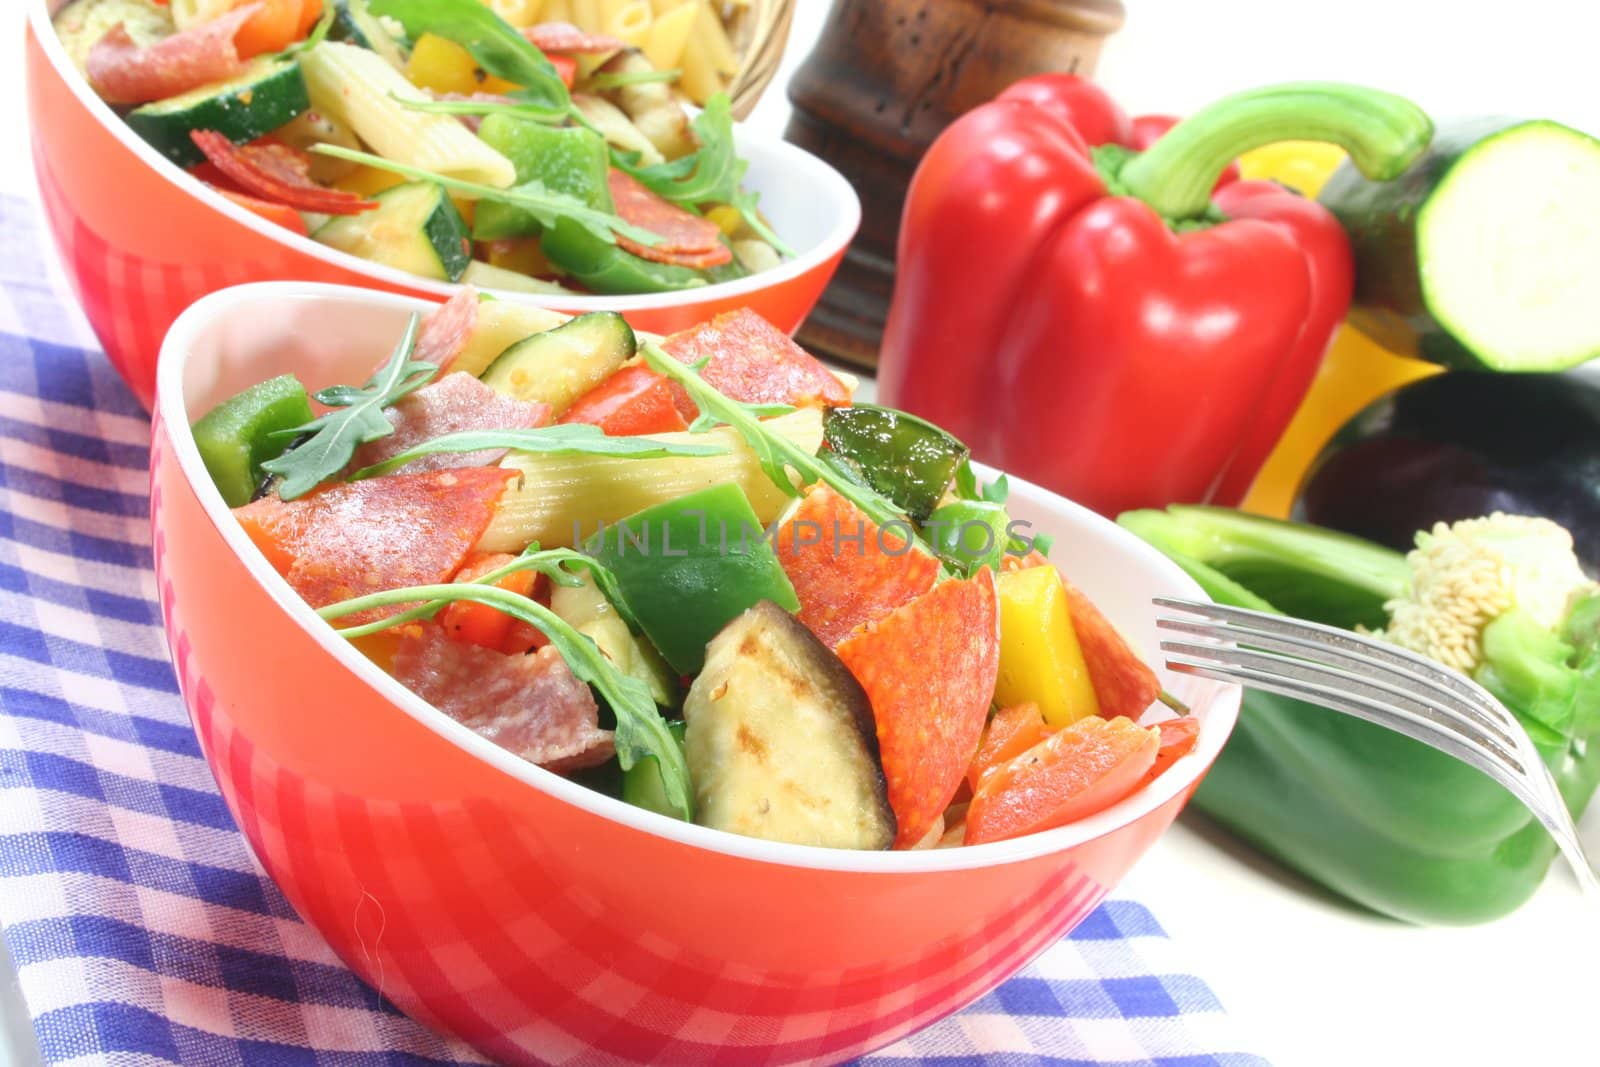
<point x="641" y="783"/>
<point x="610" y="270"/>
<point x="240" y="434"/>
<point x="909" y="460"/>
<point x="1377" y="817"/>
<point x="968" y="534"/>
<point x="564" y="159"/>
<point x="689" y="566"/>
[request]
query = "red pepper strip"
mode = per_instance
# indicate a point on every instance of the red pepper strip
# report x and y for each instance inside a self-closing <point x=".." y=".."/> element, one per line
<point x="550" y="37"/>
<point x="634" y="400"/>
<point x="566" y="67"/>
<point x="1127" y="344"/>
<point x="276" y="172"/>
<point x="284" y="216"/>
<point x="686" y="240"/>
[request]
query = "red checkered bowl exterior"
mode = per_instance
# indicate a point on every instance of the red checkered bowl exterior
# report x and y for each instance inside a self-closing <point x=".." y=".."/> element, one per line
<point x="538" y="920"/>
<point x="141" y="239"/>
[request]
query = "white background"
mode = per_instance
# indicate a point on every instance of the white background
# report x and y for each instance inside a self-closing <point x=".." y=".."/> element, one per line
<point x="1312" y="983"/>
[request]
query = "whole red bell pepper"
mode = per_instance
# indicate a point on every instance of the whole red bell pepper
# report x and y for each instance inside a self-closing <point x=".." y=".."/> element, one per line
<point x="1093" y="317"/>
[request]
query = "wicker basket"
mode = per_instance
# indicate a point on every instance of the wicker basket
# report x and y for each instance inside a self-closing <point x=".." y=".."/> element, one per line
<point x="758" y="30"/>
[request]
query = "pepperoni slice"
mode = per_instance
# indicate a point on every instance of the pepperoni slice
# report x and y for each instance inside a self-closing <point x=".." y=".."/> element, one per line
<point x="846" y="571"/>
<point x="382" y="533"/>
<point x="277" y="173"/>
<point x="566" y="38"/>
<point x="453" y="404"/>
<point x="530" y="705"/>
<point x="446" y="331"/>
<point x="686" y="240"/>
<point x="929" y="670"/>
<point x="123" y="73"/>
<point x="752" y="361"/>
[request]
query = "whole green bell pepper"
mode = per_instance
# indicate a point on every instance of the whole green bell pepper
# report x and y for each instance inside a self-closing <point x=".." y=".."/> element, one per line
<point x="1373" y="815"/>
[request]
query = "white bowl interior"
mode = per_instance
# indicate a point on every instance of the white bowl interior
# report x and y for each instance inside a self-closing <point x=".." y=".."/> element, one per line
<point x="809" y="204"/>
<point x="330" y="334"/>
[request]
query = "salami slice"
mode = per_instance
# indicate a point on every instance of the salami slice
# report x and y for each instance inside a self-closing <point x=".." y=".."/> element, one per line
<point x="566" y="38"/>
<point x="929" y="670"/>
<point x="276" y="173"/>
<point x="454" y="404"/>
<point x="445" y="331"/>
<point x="369" y="536"/>
<point x="846" y="571"/>
<point x="124" y="73"/>
<point x="686" y="240"/>
<point x="529" y="705"/>
<point x="751" y="360"/>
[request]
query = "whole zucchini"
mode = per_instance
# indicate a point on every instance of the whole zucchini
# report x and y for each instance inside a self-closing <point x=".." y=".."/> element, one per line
<point x="1484" y="253"/>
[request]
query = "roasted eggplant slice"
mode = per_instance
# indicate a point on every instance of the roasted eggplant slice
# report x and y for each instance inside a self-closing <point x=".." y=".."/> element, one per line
<point x="780" y="739"/>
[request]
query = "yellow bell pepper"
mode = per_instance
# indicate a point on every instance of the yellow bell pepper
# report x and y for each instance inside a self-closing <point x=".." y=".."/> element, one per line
<point x="443" y="66"/>
<point x="369" y="181"/>
<point x="1040" y="658"/>
<point x="1303" y="166"/>
<point x="1355" y="372"/>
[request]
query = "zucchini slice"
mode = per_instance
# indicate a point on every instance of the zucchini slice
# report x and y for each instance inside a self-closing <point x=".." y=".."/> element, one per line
<point x="560" y="365"/>
<point x="415" y="227"/>
<point x="780" y="739"/>
<point x="354" y="24"/>
<point x="1484" y="254"/>
<point x="82" y="23"/>
<point x="266" y="94"/>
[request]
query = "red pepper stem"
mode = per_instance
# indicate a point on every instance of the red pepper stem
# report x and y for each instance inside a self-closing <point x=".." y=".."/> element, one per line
<point x="1382" y="132"/>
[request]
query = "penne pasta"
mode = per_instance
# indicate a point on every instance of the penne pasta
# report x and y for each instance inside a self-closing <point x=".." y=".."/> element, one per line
<point x="586" y="14"/>
<point x="519" y="13"/>
<point x="609" y="9"/>
<point x="630" y="23"/>
<point x="558" y="496"/>
<point x="556" y="11"/>
<point x="708" y="30"/>
<point x="617" y="128"/>
<point x="190" y="13"/>
<point x="698" y="75"/>
<point x="358" y="88"/>
<point x="668" y="35"/>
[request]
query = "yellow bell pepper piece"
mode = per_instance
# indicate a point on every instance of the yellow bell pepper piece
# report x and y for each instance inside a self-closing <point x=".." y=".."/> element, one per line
<point x="727" y="218"/>
<point x="521" y="254"/>
<point x="1040" y="658"/>
<point x="1304" y="166"/>
<point x="443" y="66"/>
<point x="1355" y="372"/>
<point x="369" y="181"/>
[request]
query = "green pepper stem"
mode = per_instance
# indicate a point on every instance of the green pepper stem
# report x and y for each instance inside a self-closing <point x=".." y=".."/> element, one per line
<point x="1383" y="133"/>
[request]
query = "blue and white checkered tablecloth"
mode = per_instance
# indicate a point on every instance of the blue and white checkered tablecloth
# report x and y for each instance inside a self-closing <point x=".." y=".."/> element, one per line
<point x="141" y="929"/>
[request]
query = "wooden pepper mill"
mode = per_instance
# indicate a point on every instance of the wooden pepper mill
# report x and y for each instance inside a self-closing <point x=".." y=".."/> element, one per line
<point x="885" y="78"/>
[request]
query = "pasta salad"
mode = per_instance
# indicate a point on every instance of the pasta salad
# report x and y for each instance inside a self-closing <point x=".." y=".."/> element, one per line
<point x="436" y="137"/>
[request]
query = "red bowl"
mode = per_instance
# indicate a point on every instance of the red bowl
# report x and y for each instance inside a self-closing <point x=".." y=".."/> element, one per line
<point x="533" y="917"/>
<point x="142" y="239"/>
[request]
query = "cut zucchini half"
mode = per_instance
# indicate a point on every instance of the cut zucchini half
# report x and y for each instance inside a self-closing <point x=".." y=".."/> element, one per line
<point x="560" y="365"/>
<point x="1484" y="254"/>
<point x="354" y="24"/>
<point x="415" y="228"/>
<point x="267" y="94"/>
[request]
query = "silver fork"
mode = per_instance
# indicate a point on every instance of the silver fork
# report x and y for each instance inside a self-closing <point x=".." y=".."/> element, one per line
<point x="1382" y="684"/>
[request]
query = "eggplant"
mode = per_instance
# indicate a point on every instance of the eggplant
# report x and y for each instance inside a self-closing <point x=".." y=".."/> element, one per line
<point x="781" y="741"/>
<point x="1455" y="446"/>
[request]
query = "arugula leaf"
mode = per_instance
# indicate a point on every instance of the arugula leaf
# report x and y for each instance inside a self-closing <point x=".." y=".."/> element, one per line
<point x="468" y="107"/>
<point x="356" y="419"/>
<point x="704" y="422"/>
<point x="562" y="439"/>
<point x="543" y="204"/>
<point x="641" y="733"/>
<point x="776" y="453"/>
<point x="711" y="173"/>
<point x="493" y="42"/>
<point x="318" y="34"/>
